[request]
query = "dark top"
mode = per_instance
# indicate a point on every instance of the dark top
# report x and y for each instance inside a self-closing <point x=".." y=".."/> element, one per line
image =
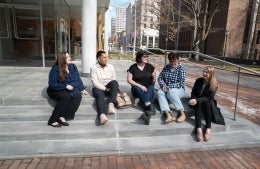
<point x="203" y="95"/>
<point x="200" y="95"/>
<point x="73" y="79"/>
<point x="143" y="77"/>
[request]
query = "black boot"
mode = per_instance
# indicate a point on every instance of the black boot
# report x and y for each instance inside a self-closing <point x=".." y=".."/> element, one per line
<point x="146" y="118"/>
<point x="149" y="109"/>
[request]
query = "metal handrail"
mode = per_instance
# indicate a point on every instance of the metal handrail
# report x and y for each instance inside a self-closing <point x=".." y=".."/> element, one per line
<point x="213" y="58"/>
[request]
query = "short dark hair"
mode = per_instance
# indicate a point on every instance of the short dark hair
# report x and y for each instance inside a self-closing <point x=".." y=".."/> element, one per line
<point x="99" y="53"/>
<point x="172" y="55"/>
<point x="139" y="55"/>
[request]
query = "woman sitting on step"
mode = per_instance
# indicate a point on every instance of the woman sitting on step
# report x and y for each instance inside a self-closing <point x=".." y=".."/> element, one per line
<point x="171" y="81"/>
<point x="66" y="87"/>
<point x="142" y="76"/>
<point x="202" y="99"/>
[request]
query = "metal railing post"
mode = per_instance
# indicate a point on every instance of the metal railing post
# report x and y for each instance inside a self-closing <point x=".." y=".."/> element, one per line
<point x="238" y="78"/>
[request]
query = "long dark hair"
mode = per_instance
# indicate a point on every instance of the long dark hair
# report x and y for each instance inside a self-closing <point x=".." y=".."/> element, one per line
<point x="62" y="64"/>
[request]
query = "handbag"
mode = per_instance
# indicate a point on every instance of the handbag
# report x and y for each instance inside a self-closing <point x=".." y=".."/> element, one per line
<point x="123" y="100"/>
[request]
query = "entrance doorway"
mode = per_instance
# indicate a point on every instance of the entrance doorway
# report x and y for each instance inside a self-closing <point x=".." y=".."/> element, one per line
<point x="21" y="38"/>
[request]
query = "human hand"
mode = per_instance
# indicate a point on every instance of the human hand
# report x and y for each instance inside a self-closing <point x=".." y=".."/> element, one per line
<point x="193" y="102"/>
<point x="84" y="92"/>
<point x="165" y="89"/>
<point x="144" y="89"/>
<point x="107" y="90"/>
<point x="69" y="87"/>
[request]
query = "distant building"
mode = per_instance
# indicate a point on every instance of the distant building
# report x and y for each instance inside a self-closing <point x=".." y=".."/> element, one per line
<point x="147" y="23"/>
<point x="113" y="31"/>
<point x="230" y="31"/>
<point x="129" y="16"/>
<point x="120" y="19"/>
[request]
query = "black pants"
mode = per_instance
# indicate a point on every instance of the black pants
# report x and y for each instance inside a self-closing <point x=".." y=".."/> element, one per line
<point x="66" y="106"/>
<point x="203" y="107"/>
<point x="100" y="96"/>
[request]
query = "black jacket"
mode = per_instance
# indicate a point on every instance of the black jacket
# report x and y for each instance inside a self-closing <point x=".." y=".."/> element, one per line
<point x="207" y="95"/>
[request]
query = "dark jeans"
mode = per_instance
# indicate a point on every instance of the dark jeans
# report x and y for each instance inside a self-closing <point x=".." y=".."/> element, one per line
<point x="203" y="107"/>
<point x="101" y="94"/>
<point x="66" y="106"/>
<point x="143" y="96"/>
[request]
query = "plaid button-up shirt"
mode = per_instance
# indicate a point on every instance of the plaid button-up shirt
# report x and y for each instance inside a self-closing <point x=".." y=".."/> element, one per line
<point x="172" y="78"/>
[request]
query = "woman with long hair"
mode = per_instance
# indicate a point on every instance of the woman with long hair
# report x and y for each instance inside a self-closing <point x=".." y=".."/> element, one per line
<point x="202" y="98"/>
<point x="66" y="87"/>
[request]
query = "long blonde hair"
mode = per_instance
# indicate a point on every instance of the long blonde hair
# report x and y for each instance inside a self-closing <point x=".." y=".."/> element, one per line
<point x="213" y="83"/>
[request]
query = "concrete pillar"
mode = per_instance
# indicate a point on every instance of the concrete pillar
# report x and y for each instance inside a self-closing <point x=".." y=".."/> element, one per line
<point x="89" y="35"/>
<point x="106" y="45"/>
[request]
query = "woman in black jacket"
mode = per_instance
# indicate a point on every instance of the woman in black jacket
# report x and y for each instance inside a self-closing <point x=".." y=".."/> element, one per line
<point x="202" y="98"/>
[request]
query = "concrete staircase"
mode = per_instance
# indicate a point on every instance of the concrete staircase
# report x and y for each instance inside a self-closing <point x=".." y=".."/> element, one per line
<point x="25" y="109"/>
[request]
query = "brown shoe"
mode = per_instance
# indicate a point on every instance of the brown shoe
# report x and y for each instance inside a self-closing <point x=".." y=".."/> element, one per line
<point x="111" y="108"/>
<point x="207" y="135"/>
<point x="103" y="119"/>
<point x="169" y="117"/>
<point x="182" y="117"/>
<point x="199" y="135"/>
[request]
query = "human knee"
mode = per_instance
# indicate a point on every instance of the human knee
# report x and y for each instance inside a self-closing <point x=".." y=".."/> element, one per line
<point x="66" y="98"/>
<point x="114" y="83"/>
<point x="77" y="96"/>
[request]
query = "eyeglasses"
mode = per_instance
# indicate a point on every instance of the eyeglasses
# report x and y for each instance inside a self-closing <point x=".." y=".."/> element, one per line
<point x="145" y="56"/>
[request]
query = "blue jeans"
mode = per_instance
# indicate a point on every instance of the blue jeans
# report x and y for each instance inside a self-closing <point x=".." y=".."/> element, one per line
<point x="174" y="96"/>
<point x="143" y="96"/>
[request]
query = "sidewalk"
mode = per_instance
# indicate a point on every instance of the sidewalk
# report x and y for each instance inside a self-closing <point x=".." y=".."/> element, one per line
<point x="218" y="159"/>
<point x="28" y="142"/>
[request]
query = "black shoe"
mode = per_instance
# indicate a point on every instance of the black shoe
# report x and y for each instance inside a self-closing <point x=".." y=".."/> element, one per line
<point x="146" y="118"/>
<point x="150" y="109"/>
<point x="63" y="123"/>
<point x="163" y="115"/>
<point x="55" y="125"/>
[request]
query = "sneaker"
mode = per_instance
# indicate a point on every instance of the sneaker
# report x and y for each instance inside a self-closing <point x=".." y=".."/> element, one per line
<point x="111" y="108"/>
<point x="103" y="119"/>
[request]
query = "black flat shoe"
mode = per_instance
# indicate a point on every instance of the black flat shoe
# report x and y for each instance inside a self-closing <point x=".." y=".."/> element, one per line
<point x="146" y="118"/>
<point x="63" y="123"/>
<point x="55" y="125"/>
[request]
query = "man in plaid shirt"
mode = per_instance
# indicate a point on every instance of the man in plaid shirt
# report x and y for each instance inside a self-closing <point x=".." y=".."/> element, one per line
<point x="171" y="81"/>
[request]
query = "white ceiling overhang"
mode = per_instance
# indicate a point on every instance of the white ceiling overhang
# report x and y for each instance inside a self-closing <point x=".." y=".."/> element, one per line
<point x="75" y="6"/>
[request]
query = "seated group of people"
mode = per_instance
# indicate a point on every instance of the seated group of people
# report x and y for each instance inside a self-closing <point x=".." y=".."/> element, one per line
<point x="66" y="86"/>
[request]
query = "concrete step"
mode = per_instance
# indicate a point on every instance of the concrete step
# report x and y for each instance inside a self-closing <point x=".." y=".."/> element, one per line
<point x="16" y="120"/>
<point x="133" y="145"/>
<point x="25" y="110"/>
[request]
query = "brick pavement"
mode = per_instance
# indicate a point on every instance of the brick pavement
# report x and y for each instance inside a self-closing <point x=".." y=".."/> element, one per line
<point x="248" y="158"/>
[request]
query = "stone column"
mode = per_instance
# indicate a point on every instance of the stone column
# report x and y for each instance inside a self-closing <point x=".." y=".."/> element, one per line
<point x="89" y="35"/>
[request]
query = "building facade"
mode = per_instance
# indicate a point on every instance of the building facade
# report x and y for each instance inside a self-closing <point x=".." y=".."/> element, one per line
<point x="36" y="30"/>
<point x="146" y="23"/>
<point x="230" y="31"/>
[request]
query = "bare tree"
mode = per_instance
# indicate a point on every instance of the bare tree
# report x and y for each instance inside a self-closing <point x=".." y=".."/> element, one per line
<point x="196" y="14"/>
<point x="252" y="25"/>
<point x="201" y="14"/>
